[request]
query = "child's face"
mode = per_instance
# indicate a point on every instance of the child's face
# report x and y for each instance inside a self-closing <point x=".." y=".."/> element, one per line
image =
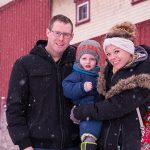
<point x="117" y="56"/>
<point x="87" y="61"/>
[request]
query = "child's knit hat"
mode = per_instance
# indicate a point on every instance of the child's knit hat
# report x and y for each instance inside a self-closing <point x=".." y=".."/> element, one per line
<point x="88" y="47"/>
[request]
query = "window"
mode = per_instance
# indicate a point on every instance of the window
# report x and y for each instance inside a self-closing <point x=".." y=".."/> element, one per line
<point x="136" y="1"/>
<point x="82" y="11"/>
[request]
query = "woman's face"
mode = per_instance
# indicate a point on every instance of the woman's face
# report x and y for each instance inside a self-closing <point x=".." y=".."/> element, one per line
<point x="117" y="56"/>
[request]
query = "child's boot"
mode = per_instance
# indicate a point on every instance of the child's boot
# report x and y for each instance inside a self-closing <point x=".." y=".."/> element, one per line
<point x="88" y="146"/>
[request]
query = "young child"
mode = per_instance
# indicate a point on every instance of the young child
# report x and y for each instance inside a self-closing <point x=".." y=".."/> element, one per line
<point x="80" y="87"/>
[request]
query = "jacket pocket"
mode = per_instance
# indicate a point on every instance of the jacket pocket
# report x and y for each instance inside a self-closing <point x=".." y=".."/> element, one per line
<point x="40" y="82"/>
<point x="40" y="73"/>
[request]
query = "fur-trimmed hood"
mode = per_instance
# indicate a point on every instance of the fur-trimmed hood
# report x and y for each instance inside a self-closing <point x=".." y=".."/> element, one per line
<point x="141" y="80"/>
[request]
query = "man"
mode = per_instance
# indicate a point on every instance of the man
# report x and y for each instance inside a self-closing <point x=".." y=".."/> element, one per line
<point x="37" y="112"/>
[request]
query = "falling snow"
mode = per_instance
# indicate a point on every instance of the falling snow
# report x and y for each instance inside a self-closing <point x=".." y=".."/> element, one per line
<point x="22" y="82"/>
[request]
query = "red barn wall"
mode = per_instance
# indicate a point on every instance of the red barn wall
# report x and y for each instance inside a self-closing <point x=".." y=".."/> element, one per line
<point x="144" y="32"/>
<point x="22" y="22"/>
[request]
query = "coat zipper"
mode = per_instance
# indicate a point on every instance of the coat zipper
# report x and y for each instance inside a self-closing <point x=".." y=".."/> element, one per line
<point x="60" y="102"/>
<point x="107" y="134"/>
<point x="122" y="138"/>
<point x="120" y="129"/>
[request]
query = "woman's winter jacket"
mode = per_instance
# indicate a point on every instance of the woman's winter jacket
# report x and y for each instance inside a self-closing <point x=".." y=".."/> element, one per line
<point x="37" y="112"/>
<point x="123" y="91"/>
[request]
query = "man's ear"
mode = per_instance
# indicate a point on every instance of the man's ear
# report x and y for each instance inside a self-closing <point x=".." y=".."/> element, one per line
<point x="47" y="32"/>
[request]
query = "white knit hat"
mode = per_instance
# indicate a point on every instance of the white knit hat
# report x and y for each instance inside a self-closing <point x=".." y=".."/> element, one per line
<point x="122" y="43"/>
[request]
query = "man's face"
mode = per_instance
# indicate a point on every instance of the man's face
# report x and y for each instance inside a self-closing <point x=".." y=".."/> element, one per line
<point x="59" y="38"/>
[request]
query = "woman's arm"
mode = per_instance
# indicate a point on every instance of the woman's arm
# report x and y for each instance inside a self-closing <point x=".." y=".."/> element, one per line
<point x="115" y="107"/>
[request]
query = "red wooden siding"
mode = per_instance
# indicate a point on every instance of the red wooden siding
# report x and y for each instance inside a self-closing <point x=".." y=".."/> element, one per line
<point x="22" y="22"/>
<point x="144" y="32"/>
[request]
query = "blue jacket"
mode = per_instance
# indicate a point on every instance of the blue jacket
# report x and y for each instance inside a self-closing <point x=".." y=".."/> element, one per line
<point x="73" y="86"/>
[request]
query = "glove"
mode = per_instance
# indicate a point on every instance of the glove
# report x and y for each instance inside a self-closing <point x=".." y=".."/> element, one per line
<point x="72" y="116"/>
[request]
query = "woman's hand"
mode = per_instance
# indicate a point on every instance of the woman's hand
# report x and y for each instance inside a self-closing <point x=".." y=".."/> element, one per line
<point x="72" y="116"/>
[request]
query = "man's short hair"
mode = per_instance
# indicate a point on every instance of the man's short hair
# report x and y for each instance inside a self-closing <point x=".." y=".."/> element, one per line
<point x="60" y="18"/>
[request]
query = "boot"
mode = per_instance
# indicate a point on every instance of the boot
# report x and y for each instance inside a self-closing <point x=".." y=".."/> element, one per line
<point x="88" y="146"/>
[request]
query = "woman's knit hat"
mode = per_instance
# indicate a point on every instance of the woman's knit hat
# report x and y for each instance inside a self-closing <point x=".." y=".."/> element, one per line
<point x="88" y="47"/>
<point x="125" y="44"/>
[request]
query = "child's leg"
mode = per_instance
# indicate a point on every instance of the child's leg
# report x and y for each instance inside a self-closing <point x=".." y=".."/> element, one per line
<point x="89" y="131"/>
<point x="88" y="142"/>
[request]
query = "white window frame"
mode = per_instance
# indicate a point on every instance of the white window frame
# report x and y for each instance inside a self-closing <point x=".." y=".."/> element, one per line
<point x="87" y="12"/>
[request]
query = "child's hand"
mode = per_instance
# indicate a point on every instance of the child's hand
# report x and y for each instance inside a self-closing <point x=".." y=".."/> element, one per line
<point x="88" y="86"/>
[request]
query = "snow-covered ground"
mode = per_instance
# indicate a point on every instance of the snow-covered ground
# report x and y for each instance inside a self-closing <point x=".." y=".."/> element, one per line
<point x="5" y="141"/>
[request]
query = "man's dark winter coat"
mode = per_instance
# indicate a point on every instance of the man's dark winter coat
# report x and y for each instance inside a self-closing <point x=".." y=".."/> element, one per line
<point x="37" y="112"/>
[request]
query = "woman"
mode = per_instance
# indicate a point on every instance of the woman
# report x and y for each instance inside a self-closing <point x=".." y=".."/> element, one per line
<point x="125" y="85"/>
